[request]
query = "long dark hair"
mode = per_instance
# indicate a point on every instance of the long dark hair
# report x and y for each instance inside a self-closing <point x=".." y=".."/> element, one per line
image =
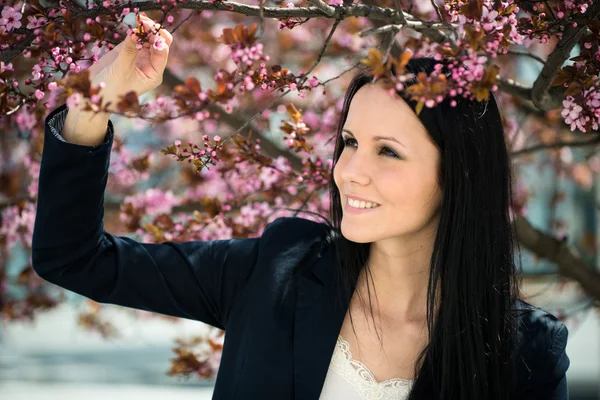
<point x="471" y="353"/>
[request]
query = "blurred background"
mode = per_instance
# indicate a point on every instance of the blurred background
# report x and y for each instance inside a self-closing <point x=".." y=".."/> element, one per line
<point x="59" y="345"/>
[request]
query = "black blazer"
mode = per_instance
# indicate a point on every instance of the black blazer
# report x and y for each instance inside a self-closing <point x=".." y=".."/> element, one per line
<point x="274" y="295"/>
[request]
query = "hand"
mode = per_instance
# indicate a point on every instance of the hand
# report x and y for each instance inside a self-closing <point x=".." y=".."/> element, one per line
<point x="126" y="68"/>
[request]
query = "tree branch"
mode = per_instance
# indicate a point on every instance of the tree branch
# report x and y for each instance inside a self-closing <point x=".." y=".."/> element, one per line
<point x="513" y="87"/>
<point x="542" y="96"/>
<point x="556" y="145"/>
<point x="525" y="53"/>
<point x="326" y="8"/>
<point x="559" y="252"/>
<point x="340" y="12"/>
<point x="238" y="119"/>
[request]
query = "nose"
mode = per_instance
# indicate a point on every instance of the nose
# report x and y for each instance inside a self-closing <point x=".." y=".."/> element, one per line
<point x="355" y="170"/>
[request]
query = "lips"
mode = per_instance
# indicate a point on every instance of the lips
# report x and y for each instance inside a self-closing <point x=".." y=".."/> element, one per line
<point x="348" y="209"/>
<point x="357" y="198"/>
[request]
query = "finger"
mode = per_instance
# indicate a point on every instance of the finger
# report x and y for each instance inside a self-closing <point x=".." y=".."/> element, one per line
<point x="105" y="60"/>
<point x="111" y="56"/>
<point x="127" y="56"/>
<point x="165" y="34"/>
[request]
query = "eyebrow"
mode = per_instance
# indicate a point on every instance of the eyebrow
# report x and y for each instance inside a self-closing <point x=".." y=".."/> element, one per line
<point x="376" y="138"/>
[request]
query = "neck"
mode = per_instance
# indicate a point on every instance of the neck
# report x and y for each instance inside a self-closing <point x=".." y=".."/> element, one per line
<point x="399" y="278"/>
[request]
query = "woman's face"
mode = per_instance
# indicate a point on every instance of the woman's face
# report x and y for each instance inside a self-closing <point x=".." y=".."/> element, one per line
<point x="400" y="175"/>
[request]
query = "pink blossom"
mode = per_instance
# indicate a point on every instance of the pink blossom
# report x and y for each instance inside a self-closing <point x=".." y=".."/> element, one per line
<point x="488" y="19"/>
<point x="17" y="225"/>
<point x="159" y="43"/>
<point x="35" y="22"/>
<point x="74" y="100"/>
<point x="6" y="67"/>
<point x="154" y="201"/>
<point x="123" y="176"/>
<point x="576" y="116"/>
<point x="25" y="119"/>
<point x="36" y="72"/>
<point x="11" y="18"/>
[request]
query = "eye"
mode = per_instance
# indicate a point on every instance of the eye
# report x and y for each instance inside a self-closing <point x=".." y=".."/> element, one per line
<point x="381" y="148"/>
<point x="348" y="140"/>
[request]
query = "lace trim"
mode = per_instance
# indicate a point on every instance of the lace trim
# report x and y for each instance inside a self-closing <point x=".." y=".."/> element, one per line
<point x="362" y="379"/>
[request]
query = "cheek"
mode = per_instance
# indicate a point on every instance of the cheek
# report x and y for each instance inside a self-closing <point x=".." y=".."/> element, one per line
<point x="413" y="192"/>
<point x="337" y="170"/>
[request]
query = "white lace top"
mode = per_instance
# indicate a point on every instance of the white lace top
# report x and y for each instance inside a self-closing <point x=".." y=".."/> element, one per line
<point x="350" y="379"/>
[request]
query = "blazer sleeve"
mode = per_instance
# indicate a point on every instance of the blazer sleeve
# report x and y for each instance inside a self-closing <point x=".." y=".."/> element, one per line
<point x="552" y="382"/>
<point x="197" y="280"/>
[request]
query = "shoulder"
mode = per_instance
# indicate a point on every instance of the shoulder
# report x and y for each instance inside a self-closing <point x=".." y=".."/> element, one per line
<point x="294" y="230"/>
<point x="538" y="329"/>
<point x="542" y="341"/>
<point x="294" y="237"/>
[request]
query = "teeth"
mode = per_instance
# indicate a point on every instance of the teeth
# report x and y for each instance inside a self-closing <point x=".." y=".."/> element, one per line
<point x="361" y="204"/>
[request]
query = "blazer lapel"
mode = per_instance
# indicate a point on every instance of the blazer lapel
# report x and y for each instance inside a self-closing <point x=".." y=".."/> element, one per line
<point x="318" y="321"/>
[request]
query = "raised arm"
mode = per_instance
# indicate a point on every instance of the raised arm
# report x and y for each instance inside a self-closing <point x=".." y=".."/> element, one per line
<point x="198" y="280"/>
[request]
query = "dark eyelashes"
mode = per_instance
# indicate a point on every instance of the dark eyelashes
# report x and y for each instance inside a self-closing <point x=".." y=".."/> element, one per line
<point x="380" y="148"/>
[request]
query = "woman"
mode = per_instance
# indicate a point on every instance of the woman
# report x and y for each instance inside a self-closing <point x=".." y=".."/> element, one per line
<point x="296" y="303"/>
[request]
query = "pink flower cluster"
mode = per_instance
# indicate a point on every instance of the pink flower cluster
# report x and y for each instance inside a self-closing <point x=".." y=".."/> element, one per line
<point x="17" y="226"/>
<point x="578" y="116"/>
<point x="33" y="170"/>
<point x="575" y="7"/>
<point x="248" y="55"/>
<point x="162" y="106"/>
<point x="123" y="176"/>
<point x="154" y="201"/>
<point x="245" y="179"/>
<point x="253" y="213"/>
<point x="491" y="23"/>
<point x="11" y="19"/>
<point x="469" y="69"/>
<point x="270" y="176"/>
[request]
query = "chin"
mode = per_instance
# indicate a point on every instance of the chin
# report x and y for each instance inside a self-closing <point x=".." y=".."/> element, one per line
<point x="356" y="234"/>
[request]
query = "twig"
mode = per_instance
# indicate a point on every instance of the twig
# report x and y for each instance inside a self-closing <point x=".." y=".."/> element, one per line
<point x="348" y="70"/>
<point x="327" y="40"/>
<point x="326" y="8"/>
<point x="437" y="10"/>
<point x="401" y="14"/>
<point x="524" y="53"/>
<point x="262" y="16"/>
<point x="181" y="23"/>
<point x="556" y="145"/>
<point x="416" y="25"/>
<point x="513" y="87"/>
<point x="549" y="9"/>
<point x="390" y="42"/>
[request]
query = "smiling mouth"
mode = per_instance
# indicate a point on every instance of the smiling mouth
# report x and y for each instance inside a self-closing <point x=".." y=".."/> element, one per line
<point x="361" y="205"/>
